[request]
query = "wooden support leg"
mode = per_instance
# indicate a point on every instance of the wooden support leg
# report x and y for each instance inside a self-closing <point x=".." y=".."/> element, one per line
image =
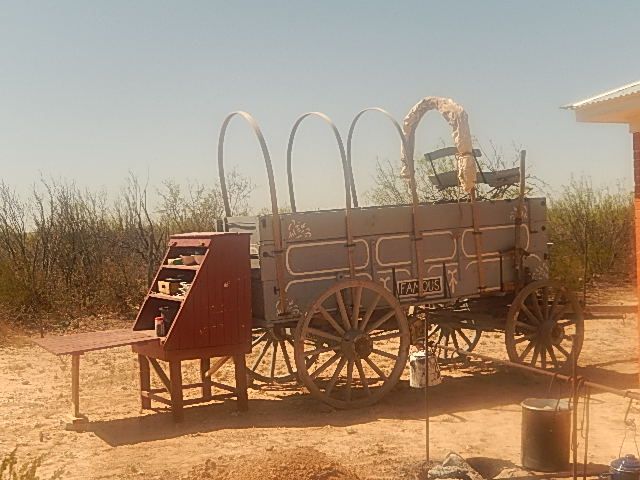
<point x="205" y="365"/>
<point x="77" y="420"/>
<point x="175" y="375"/>
<point x="145" y="381"/>
<point x="241" y="382"/>
<point x="75" y="385"/>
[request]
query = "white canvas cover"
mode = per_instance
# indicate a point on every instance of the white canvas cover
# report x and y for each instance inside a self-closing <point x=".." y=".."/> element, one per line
<point x="455" y="115"/>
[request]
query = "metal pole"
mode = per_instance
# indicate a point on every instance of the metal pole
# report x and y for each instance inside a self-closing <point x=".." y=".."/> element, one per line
<point x="426" y="394"/>
<point x="574" y="415"/>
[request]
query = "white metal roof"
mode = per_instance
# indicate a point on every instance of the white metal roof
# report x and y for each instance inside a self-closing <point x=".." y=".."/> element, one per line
<point x="625" y="90"/>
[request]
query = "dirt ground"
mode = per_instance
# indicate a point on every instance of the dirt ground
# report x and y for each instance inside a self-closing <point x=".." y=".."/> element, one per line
<point x="474" y="412"/>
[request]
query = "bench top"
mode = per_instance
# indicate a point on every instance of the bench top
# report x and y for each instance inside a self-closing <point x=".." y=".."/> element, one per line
<point x="78" y="343"/>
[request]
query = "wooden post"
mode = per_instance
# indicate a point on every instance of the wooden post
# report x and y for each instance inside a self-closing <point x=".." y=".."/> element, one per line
<point x="205" y="365"/>
<point x="145" y="381"/>
<point x="75" y="385"/>
<point x="241" y="382"/>
<point x="175" y="375"/>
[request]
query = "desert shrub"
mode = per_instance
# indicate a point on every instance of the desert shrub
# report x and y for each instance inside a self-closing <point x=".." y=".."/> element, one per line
<point x="68" y="252"/>
<point x="591" y="229"/>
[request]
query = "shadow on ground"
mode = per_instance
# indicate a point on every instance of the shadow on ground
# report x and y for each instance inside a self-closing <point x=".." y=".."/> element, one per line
<point x="477" y="388"/>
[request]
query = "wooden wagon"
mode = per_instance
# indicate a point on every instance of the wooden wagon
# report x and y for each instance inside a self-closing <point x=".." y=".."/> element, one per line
<point x="338" y="296"/>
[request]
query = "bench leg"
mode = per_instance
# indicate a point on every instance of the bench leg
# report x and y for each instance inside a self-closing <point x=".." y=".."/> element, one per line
<point x="175" y="375"/>
<point x="241" y="382"/>
<point x="205" y="365"/>
<point x="145" y="382"/>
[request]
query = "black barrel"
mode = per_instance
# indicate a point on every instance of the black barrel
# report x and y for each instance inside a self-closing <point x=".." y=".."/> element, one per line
<point x="546" y="432"/>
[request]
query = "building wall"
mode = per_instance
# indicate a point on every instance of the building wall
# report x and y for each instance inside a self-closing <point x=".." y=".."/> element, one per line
<point x="636" y="175"/>
<point x="636" y="162"/>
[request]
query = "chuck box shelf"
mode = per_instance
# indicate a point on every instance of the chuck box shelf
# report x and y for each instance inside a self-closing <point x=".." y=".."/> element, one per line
<point x="215" y="311"/>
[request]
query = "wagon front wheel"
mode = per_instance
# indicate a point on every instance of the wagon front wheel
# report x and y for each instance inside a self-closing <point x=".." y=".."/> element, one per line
<point x="359" y="335"/>
<point x="545" y="326"/>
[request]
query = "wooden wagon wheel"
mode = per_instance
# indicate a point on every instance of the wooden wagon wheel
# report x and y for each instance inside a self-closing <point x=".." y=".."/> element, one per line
<point x="273" y="361"/>
<point x="459" y="334"/>
<point x="545" y="326"/>
<point x="365" y="343"/>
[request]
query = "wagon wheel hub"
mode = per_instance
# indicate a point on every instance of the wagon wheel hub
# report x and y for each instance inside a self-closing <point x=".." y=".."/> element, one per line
<point x="551" y="333"/>
<point x="356" y="344"/>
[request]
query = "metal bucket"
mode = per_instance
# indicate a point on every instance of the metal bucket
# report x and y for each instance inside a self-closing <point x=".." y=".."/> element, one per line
<point x="546" y="431"/>
<point x="423" y="369"/>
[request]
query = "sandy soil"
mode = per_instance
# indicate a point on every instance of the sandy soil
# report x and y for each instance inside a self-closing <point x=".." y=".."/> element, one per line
<point x="475" y="412"/>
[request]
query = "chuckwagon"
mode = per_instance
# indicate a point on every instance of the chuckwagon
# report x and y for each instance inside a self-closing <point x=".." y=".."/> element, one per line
<point x="339" y="296"/>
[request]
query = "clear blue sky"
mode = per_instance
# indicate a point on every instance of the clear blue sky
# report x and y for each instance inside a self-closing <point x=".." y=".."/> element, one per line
<point x="92" y="90"/>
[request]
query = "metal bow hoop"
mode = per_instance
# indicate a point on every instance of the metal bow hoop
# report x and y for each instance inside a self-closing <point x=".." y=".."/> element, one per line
<point x="412" y="184"/>
<point x="352" y="127"/>
<point x="343" y="157"/>
<point x="277" y="235"/>
<point x="345" y="173"/>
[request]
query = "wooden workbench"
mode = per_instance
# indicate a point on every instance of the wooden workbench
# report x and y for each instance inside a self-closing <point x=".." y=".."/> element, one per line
<point x="79" y="343"/>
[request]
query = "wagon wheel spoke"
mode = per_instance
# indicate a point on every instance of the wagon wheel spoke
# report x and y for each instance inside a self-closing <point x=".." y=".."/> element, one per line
<point x="258" y="340"/>
<point x="274" y="354"/>
<point x="375" y="368"/>
<point x="535" y="303"/>
<point x="552" y="355"/>
<point x="543" y="358"/>
<point x="536" y="352"/>
<point x="563" y="351"/>
<point x="386" y="336"/>
<point x="334" y="377"/>
<point x="446" y="344"/>
<point x="384" y="354"/>
<point x="363" y="377"/>
<point x="285" y="355"/>
<point x="343" y="310"/>
<point x="380" y="321"/>
<point x="357" y="298"/>
<point x="349" y="380"/>
<point x="330" y="320"/>
<point x="325" y="365"/>
<point x="534" y="319"/>
<point x="273" y="362"/>
<point x="323" y="334"/>
<point x="262" y="354"/>
<point x="369" y="312"/>
<point x="454" y="338"/>
<point x="319" y="350"/>
<point x="464" y="336"/>
<point x="526" y="351"/>
<point x="524" y="338"/>
<point x="526" y="326"/>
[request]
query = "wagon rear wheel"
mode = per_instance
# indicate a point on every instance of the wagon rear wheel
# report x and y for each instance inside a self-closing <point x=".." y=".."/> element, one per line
<point x="272" y="358"/>
<point x="545" y="326"/>
<point x="360" y="338"/>
<point x="459" y="334"/>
